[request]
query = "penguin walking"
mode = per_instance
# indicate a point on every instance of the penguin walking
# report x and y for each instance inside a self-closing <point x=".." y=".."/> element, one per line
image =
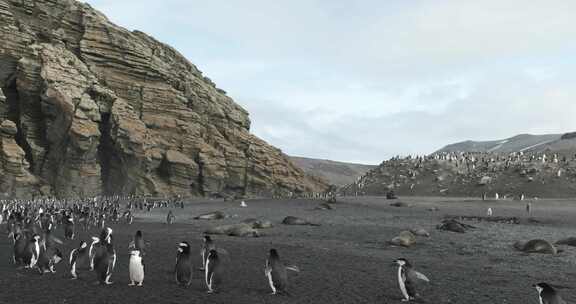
<point x="32" y="252"/>
<point x="212" y="271"/>
<point x="183" y="268"/>
<point x="407" y="278"/>
<point x="207" y="245"/>
<point x="136" y="268"/>
<point x="276" y="273"/>
<point x="170" y="218"/>
<point x="79" y="258"/>
<point x="547" y="294"/>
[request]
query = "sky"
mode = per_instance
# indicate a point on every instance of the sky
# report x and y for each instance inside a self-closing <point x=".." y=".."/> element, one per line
<point x="366" y="80"/>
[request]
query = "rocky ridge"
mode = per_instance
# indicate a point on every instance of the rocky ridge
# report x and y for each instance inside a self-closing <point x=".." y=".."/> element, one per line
<point x="90" y="108"/>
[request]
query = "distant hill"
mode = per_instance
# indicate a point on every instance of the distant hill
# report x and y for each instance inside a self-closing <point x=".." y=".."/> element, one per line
<point x="492" y="170"/>
<point x="337" y="173"/>
<point x="522" y="142"/>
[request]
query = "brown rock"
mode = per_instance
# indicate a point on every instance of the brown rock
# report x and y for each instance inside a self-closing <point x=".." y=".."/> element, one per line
<point x="104" y="110"/>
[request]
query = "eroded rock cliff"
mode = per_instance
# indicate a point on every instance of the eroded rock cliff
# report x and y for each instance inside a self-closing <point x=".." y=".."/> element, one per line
<point x="91" y="108"/>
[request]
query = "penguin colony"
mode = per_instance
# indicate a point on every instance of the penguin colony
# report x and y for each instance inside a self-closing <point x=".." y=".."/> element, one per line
<point x="30" y="225"/>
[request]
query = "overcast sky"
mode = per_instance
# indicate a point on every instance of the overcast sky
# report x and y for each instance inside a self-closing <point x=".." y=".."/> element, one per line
<point x="366" y="80"/>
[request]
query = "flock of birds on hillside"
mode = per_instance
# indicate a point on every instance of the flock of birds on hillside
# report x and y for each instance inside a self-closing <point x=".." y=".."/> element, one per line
<point x="31" y="224"/>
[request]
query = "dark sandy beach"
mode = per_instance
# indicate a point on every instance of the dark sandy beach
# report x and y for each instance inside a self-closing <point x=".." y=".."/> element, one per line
<point x="345" y="260"/>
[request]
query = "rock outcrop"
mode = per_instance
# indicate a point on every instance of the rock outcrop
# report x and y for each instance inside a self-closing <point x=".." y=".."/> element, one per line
<point x="91" y="108"/>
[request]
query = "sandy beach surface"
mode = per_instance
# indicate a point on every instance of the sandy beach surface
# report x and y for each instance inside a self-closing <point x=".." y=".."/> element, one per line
<point x="344" y="260"/>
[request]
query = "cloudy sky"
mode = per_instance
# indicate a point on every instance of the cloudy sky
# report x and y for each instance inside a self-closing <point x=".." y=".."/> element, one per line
<point x="366" y="80"/>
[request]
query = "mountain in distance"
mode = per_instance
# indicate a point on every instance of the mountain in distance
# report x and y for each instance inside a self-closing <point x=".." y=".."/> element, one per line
<point x="334" y="172"/>
<point x="519" y="143"/>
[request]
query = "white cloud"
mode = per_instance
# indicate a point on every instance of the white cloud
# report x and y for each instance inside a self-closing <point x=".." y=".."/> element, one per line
<point x="365" y="80"/>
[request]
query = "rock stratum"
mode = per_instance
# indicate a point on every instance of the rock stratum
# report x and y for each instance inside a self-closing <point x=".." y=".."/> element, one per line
<point x="90" y="108"/>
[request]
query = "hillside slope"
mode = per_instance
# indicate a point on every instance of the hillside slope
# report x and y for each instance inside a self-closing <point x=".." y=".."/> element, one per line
<point x="336" y="173"/>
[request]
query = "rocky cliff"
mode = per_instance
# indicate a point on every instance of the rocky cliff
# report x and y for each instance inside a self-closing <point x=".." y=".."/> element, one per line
<point x="91" y="108"/>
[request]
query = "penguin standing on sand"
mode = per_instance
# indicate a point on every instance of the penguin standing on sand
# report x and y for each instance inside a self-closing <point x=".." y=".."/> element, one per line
<point x="69" y="227"/>
<point x="138" y="243"/>
<point x="407" y="277"/>
<point x="32" y="252"/>
<point x="547" y="294"/>
<point x="49" y="257"/>
<point x="207" y="245"/>
<point x="20" y="245"/>
<point x="276" y="273"/>
<point x="183" y="269"/>
<point x="136" y="268"/>
<point x="104" y="258"/>
<point x="212" y="271"/>
<point x="79" y="258"/>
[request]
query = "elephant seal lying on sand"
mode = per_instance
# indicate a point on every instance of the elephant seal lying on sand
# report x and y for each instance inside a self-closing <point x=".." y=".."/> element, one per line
<point x="292" y="220"/>
<point x="258" y="224"/>
<point x="536" y="246"/>
<point x="216" y="215"/>
<point x="454" y="226"/>
<point x="404" y="239"/>
<point x="242" y="229"/>
<point x="571" y="241"/>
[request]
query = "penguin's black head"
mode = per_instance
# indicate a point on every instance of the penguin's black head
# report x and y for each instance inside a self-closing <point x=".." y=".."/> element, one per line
<point x="543" y="287"/>
<point x="274" y="253"/>
<point x="207" y="239"/>
<point x="184" y="247"/>
<point x="212" y="254"/>
<point x="402" y="262"/>
<point x="139" y="234"/>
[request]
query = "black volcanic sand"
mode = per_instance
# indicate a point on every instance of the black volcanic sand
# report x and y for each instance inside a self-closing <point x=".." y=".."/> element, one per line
<point x="346" y="260"/>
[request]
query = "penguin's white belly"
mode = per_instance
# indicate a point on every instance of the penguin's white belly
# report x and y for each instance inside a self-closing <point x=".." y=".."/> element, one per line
<point x="540" y="298"/>
<point x="136" y="271"/>
<point x="402" y="284"/>
<point x="270" y="280"/>
<point x="206" y="274"/>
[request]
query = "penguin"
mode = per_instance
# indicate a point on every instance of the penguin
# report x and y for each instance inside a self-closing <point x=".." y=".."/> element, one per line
<point x="276" y="273"/>
<point x="79" y="258"/>
<point x="32" y="252"/>
<point x="212" y="271"/>
<point x="407" y="277"/>
<point x="489" y="212"/>
<point x="49" y="257"/>
<point x="243" y="204"/>
<point x="138" y="243"/>
<point x="183" y="268"/>
<point x="136" y="268"/>
<point x="20" y="245"/>
<point x="69" y="227"/>
<point x="547" y="294"/>
<point x="170" y="218"/>
<point x="207" y="245"/>
<point x="104" y="259"/>
<point x="105" y="236"/>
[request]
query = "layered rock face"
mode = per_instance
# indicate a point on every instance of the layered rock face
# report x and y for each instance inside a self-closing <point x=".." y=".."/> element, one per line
<point x="91" y="108"/>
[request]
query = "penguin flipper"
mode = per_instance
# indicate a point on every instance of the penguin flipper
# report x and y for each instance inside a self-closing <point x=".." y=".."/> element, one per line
<point x="293" y="268"/>
<point x="417" y="275"/>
